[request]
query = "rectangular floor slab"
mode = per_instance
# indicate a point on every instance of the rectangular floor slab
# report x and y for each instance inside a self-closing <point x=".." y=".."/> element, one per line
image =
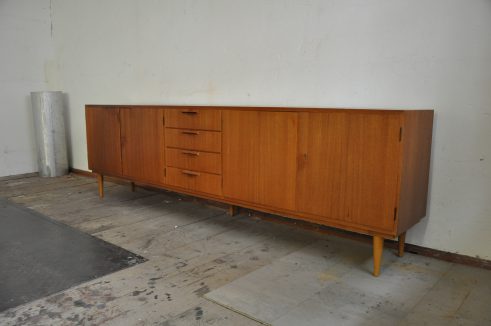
<point x="329" y="283"/>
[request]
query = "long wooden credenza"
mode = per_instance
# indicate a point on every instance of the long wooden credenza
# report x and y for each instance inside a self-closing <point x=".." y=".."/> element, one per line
<point x="360" y="170"/>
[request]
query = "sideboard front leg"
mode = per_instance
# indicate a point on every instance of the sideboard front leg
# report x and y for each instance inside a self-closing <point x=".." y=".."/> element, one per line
<point x="378" y="248"/>
<point x="100" y="181"/>
<point x="232" y="210"/>
<point x="133" y="186"/>
<point x="402" y="241"/>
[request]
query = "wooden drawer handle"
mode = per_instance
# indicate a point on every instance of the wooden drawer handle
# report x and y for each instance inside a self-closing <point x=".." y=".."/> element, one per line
<point x="189" y="112"/>
<point x="191" y="173"/>
<point x="190" y="132"/>
<point x="190" y="153"/>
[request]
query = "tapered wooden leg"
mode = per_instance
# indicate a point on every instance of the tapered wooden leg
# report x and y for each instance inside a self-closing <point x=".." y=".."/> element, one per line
<point x="100" y="180"/>
<point x="133" y="186"/>
<point x="233" y="210"/>
<point x="378" y="247"/>
<point x="402" y="241"/>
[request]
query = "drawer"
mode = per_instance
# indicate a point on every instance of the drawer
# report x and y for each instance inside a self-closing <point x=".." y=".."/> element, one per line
<point x="193" y="180"/>
<point x="189" y="118"/>
<point x="210" y="141"/>
<point x="194" y="160"/>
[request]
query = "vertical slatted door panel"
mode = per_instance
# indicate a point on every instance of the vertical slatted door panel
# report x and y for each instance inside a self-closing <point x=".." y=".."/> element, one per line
<point x="350" y="167"/>
<point x="322" y="158"/>
<point x="103" y="140"/>
<point x="374" y="156"/>
<point x="142" y="135"/>
<point x="259" y="157"/>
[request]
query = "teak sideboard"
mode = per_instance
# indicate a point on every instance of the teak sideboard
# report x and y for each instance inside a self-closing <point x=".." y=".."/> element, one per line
<point x="360" y="170"/>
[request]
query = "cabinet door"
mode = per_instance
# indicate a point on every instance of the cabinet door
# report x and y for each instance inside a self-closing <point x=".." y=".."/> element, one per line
<point x="142" y="136"/>
<point x="348" y="167"/>
<point x="103" y="140"/>
<point x="259" y="157"/>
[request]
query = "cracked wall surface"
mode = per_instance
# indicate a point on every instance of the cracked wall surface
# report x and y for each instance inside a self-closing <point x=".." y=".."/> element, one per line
<point x="26" y="46"/>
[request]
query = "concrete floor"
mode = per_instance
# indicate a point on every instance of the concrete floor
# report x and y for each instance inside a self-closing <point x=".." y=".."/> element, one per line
<point x="193" y="249"/>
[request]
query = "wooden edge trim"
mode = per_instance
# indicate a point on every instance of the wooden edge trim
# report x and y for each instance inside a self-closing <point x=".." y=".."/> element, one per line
<point x="255" y="108"/>
<point x="389" y="243"/>
<point x="393" y="244"/>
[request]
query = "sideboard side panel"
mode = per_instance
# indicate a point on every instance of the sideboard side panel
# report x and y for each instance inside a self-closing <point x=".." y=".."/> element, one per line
<point x="415" y="171"/>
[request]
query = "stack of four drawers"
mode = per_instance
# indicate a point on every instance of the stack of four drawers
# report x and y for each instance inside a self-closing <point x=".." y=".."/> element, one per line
<point x="193" y="141"/>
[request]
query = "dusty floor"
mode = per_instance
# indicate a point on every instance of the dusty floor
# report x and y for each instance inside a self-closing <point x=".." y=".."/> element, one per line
<point x="193" y="249"/>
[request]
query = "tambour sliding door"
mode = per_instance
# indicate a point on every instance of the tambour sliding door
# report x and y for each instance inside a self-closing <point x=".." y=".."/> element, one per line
<point x="348" y="167"/>
<point x="142" y="139"/>
<point x="259" y="157"/>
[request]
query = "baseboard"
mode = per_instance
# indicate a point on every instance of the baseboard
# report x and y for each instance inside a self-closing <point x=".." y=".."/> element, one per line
<point x="414" y="249"/>
<point x="19" y="176"/>
<point x="449" y="256"/>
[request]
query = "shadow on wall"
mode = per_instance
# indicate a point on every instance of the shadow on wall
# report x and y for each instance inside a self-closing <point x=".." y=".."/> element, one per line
<point x="30" y="123"/>
<point x="422" y="226"/>
<point x="68" y="129"/>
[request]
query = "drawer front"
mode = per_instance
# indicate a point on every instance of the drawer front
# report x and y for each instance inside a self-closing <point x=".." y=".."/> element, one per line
<point x="189" y="118"/>
<point x="193" y="180"/>
<point x="194" y="160"/>
<point x="210" y="141"/>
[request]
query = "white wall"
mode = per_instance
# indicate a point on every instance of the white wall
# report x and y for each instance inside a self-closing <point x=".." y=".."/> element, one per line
<point x="25" y="49"/>
<point x="328" y="53"/>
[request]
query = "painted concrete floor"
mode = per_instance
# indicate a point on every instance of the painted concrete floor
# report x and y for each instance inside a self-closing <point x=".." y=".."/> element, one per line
<point x="193" y="249"/>
<point x="41" y="257"/>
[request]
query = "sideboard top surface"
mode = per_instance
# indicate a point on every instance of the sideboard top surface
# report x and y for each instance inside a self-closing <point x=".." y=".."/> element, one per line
<point x="256" y="108"/>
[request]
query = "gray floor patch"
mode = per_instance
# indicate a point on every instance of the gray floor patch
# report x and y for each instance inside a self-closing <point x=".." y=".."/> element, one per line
<point x="329" y="283"/>
<point x="40" y="256"/>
